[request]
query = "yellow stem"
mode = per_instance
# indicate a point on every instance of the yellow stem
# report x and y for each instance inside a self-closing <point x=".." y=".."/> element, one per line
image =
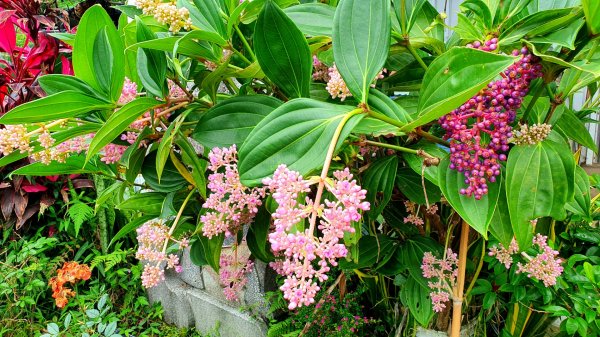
<point x="162" y="113"/>
<point x="45" y="127"/>
<point x="460" y="284"/>
<point x="174" y="225"/>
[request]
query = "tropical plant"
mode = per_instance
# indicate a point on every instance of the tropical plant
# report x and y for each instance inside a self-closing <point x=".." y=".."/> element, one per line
<point x="345" y="132"/>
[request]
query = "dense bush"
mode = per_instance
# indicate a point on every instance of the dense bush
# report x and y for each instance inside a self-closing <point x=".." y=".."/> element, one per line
<point x="346" y="138"/>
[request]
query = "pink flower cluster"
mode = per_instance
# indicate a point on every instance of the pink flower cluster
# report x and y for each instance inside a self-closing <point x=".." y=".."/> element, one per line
<point x="12" y="138"/>
<point x="231" y="204"/>
<point x="444" y="273"/>
<point x="545" y="266"/>
<point x="505" y="255"/>
<point x="232" y="275"/>
<point x="152" y="237"/>
<point x="335" y="83"/>
<point x="112" y="153"/>
<point x="479" y="130"/>
<point x="129" y="91"/>
<point x="320" y="70"/>
<point x="306" y="259"/>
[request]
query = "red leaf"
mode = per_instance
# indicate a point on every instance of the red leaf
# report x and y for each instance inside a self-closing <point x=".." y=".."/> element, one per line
<point x="52" y="178"/>
<point x="8" y="36"/>
<point x="83" y="183"/>
<point x="34" y="188"/>
<point x="67" y="66"/>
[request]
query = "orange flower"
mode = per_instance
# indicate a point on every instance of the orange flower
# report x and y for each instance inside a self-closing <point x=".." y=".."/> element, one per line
<point x="71" y="272"/>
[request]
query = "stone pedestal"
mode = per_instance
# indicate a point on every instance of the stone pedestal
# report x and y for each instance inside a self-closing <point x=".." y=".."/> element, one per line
<point x="194" y="297"/>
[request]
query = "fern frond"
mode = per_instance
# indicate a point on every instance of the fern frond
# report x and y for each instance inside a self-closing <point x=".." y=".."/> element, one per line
<point x="79" y="213"/>
<point x="110" y="260"/>
<point x="282" y="328"/>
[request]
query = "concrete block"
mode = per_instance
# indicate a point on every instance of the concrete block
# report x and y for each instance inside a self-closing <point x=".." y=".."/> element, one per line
<point x="191" y="273"/>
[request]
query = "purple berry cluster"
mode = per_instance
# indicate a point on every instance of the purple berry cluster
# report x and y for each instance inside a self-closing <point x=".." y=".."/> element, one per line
<point x="479" y="130"/>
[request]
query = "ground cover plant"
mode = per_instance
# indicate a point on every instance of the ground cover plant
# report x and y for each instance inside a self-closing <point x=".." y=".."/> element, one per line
<point x="349" y="144"/>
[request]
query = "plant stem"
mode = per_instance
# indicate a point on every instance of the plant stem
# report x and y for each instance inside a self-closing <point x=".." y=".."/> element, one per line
<point x="55" y="123"/>
<point x="460" y="284"/>
<point x="102" y="221"/>
<point x="419" y="152"/>
<point x="245" y="42"/>
<point x="174" y="225"/>
<point x="401" y="125"/>
<point x="414" y="53"/>
<point x="432" y="138"/>
<point x="162" y="113"/>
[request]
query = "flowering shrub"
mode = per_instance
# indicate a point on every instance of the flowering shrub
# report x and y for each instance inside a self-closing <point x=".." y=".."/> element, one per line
<point x="71" y="272"/>
<point x="360" y="143"/>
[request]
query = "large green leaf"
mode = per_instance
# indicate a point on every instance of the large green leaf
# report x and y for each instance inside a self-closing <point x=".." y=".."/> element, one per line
<point x="184" y="45"/>
<point x="92" y="22"/>
<point x="371" y="250"/>
<point x="282" y="51"/>
<point x="297" y="134"/>
<point x="539" y="182"/>
<point x="55" y="83"/>
<point x="205" y="15"/>
<point x="361" y="41"/>
<point x="119" y="121"/>
<point x="379" y="181"/>
<point x="149" y="203"/>
<point x="411" y="185"/>
<point x="500" y="226"/>
<point x="416" y="297"/>
<point x="416" y="162"/>
<point x="190" y="158"/>
<point x="130" y="227"/>
<point x="407" y="12"/>
<point x="453" y="78"/>
<point x="205" y="251"/>
<point x="72" y="165"/>
<point x="258" y="236"/>
<point x="591" y="8"/>
<point x="539" y="23"/>
<point x="231" y="121"/>
<point x="477" y="213"/>
<point x="573" y="127"/>
<point x="109" y="64"/>
<point x="313" y="19"/>
<point x="171" y="180"/>
<point x="64" y="104"/>
<point x="581" y="204"/>
<point x="151" y="64"/>
<point x="564" y="37"/>
<point x="411" y="254"/>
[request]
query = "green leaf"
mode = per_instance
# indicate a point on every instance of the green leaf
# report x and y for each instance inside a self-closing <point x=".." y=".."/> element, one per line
<point x="56" y="83"/>
<point x="539" y="23"/>
<point x="411" y="254"/>
<point x="500" y="226"/>
<point x="361" y="41"/>
<point x="407" y="12"/>
<point x="313" y="19"/>
<point x="72" y="165"/>
<point x="453" y="78"/>
<point x="171" y="180"/>
<point x="151" y="64"/>
<point x="382" y="103"/>
<point x="416" y="162"/>
<point x="480" y="9"/>
<point x="231" y="121"/>
<point x="296" y="134"/>
<point x="94" y="20"/>
<point x="119" y="121"/>
<point x="258" y="236"/>
<point x="416" y="297"/>
<point x="205" y="15"/>
<point x="571" y="126"/>
<point x="179" y="45"/>
<point x="371" y="250"/>
<point x="581" y="204"/>
<point x="190" y="158"/>
<point x="164" y="148"/>
<point x="539" y="182"/>
<point x="592" y="15"/>
<point x="411" y="185"/>
<point x="109" y="65"/>
<point x="254" y="7"/>
<point x="64" y="104"/>
<point x="379" y="181"/>
<point x="107" y="194"/>
<point x="477" y="213"/>
<point x="282" y="51"/>
<point x="205" y="251"/>
<point x="149" y="203"/>
<point x="563" y="37"/>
